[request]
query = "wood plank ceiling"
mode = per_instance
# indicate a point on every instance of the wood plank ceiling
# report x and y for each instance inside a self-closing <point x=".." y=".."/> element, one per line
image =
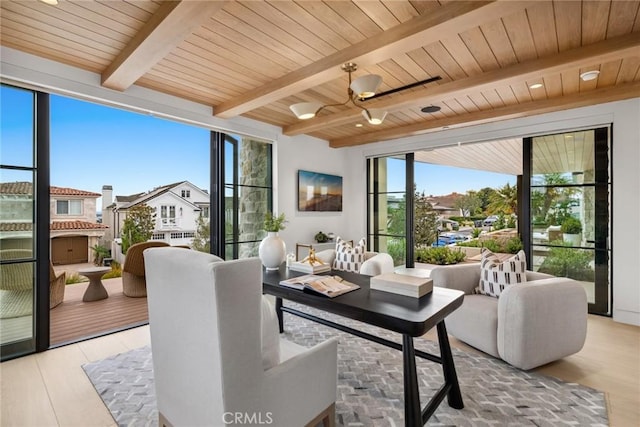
<point x="255" y="58"/>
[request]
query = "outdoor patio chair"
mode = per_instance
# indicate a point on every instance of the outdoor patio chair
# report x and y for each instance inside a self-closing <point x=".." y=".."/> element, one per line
<point x="213" y="336"/>
<point x="133" y="276"/>
<point x="57" y="285"/>
<point x="16" y="285"/>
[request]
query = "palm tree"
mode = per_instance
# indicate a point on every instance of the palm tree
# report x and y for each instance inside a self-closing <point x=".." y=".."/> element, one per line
<point x="504" y="200"/>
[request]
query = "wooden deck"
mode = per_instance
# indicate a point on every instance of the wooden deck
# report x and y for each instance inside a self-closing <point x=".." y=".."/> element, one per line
<point x="75" y="320"/>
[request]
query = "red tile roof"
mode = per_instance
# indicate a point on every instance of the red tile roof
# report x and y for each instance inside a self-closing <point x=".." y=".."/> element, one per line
<point x="64" y="191"/>
<point x="19" y="187"/>
<point x="76" y="225"/>
<point x="23" y="187"/>
<point x="16" y="226"/>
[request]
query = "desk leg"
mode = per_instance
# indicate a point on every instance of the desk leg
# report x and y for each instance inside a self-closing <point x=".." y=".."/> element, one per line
<point x="279" y="314"/>
<point x="454" y="397"/>
<point x="412" y="410"/>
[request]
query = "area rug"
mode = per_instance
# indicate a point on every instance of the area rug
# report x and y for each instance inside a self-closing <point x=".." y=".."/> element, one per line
<point x="370" y="388"/>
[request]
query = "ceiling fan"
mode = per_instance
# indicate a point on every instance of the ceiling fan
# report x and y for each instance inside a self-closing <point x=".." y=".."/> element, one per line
<point x="361" y="89"/>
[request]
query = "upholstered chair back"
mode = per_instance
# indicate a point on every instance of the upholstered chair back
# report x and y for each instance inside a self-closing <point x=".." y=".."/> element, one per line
<point x="205" y="318"/>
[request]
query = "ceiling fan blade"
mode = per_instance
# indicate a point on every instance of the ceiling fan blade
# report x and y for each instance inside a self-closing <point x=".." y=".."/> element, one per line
<point x="409" y="86"/>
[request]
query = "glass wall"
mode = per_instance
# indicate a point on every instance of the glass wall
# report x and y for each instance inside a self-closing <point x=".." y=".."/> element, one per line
<point x="248" y="194"/>
<point x="387" y="201"/>
<point x="570" y="210"/>
<point x="17" y="220"/>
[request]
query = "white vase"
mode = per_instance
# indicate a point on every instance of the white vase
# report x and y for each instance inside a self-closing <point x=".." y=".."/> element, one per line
<point x="272" y="251"/>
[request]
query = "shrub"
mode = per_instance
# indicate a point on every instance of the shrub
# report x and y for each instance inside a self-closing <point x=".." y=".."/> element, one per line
<point x="395" y="248"/>
<point x="116" y="271"/>
<point x="511" y="246"/>
<point x="568" y="262"/>
<point x="440" y="255"/>
<point x="571" y="225"/>
<point x="74" y="278"/>
<point x="475" y="233"/>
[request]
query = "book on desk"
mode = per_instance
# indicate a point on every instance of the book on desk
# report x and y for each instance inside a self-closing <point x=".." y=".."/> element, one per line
<point x="402" y="284"/>
<point x="313" y="268"/>
<point x="329" y="286"/>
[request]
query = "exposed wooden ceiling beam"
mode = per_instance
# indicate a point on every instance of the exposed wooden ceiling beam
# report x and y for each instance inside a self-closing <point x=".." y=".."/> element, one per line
<point x="605" y="51"/>
<point x="445" y="21"/>
<point x="170" y="25"/>
<point x="597" y="96"/>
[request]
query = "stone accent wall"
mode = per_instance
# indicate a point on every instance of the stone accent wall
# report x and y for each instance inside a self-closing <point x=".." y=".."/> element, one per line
<point x="253" y="203"/>
<point x="588" y="205"/>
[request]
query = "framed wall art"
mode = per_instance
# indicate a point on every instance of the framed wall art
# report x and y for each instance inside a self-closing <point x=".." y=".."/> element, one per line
<point x="319" y="192"/>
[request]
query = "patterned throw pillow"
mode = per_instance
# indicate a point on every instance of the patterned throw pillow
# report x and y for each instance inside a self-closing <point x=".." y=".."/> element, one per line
<point x="348" y="258"/>
<point x="495" y="275"/>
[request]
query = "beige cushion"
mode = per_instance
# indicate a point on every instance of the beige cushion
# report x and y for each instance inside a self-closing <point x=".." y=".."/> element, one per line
<point x="495" y="275"/>
<point x="270" y="335"/>
<point x="349" y="258"/>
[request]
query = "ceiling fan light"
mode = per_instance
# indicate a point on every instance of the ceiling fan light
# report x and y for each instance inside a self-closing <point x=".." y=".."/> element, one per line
<point x="305" y="110"/>
<point x="366" y="86"/>
<point x="589" y="75"/>
<point x="374" y="116"/>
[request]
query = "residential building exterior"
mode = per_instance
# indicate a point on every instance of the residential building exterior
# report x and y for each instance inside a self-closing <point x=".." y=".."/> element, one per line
<point x="73" y="226"/>
<point x="177" y="208"/>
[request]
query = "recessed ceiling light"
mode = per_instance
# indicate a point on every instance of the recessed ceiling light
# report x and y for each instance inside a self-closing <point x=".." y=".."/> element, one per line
<point x="51" y="2"/>
<point x="589" y="75"/>
<point x="358" y="125"/>
<point x="430" y="109"/>
<point x="535" y="86"/>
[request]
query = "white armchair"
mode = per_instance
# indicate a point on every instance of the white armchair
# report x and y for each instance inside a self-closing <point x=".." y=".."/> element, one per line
<point x="531" y="324"/>
<point x="375" y="263"/>
<point x="205" y="320"/>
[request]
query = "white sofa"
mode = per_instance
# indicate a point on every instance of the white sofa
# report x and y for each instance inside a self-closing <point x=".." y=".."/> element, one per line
<point x="375" y="263"/>
<point x="531" y="324"/>
<point x="208" y="323"/>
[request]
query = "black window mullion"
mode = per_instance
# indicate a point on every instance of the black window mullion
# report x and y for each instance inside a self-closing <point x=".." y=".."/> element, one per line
<point x="410" y="210"/>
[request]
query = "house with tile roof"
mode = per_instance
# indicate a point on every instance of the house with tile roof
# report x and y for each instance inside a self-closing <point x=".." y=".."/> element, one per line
<point x="73" y="225"/>
<point x="177" y="207"/>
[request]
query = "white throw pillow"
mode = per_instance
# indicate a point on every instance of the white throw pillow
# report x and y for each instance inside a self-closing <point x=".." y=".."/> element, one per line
<point x="495" y="275"/>
<point x="349" y="258"/>
<point x="270" y="335"/>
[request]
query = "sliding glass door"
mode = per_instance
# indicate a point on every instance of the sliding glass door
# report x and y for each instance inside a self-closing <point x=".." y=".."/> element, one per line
<point x="24" y="221"/>
<point x="570" y="194"/>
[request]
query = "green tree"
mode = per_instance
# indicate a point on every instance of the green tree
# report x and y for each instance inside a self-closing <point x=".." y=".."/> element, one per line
<point x="550" y="204"/>
<point x="201" y="241"/>
<point x="138" y="226"/>
<point x="426" y="228"/>
<point x="484" y="195"/>
<point x="396" y="217"/>
<point x="468" y="203"/>
<point x="504" y="200"/>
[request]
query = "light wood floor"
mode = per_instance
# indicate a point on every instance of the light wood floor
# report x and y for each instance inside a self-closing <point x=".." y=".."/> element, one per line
<point x="51" y="389"/>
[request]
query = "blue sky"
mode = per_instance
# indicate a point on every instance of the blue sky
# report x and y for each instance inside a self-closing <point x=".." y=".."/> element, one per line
<point x="93" y="145"/>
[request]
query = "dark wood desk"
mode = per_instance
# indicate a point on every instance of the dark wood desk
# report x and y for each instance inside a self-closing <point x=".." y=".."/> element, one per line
<point x="408" y="316"/>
